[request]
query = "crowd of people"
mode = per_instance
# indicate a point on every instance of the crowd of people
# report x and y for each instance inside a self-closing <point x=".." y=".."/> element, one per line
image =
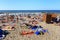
<point x="7" y="22"/>
<point x="30" y="20"/>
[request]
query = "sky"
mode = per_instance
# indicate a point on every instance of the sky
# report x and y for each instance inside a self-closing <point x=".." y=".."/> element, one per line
<point x="29" y="4"/>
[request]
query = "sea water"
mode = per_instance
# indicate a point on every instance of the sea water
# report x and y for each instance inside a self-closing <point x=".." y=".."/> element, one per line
<point x="17" y="12"/>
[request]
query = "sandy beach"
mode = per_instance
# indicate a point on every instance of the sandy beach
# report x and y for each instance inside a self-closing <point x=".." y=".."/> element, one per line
<point x="29" y="20"/>
<point x="54" y="33"/>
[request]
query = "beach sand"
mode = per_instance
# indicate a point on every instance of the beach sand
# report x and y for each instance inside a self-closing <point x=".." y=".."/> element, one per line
<point x="54" y="33"/>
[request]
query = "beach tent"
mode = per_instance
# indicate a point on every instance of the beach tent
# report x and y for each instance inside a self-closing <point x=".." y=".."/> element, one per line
<point x="48" y="17"/>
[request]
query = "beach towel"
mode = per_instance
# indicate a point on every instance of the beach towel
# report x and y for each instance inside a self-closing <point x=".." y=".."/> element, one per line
<point x="1" y="34"/>
<point x="39" y="33"/>
<point x="34" y="27"/>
